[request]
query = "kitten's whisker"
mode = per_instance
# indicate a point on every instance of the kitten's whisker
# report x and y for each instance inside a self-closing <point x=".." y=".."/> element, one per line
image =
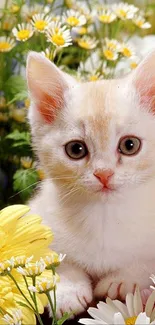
<point x="24" y="189"/>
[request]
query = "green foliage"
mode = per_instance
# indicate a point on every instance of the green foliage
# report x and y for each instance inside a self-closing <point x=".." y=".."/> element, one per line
<point x="25" y="181"/>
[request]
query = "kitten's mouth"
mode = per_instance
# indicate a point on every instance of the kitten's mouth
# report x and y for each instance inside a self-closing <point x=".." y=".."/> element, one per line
<point x="106" y="189"/>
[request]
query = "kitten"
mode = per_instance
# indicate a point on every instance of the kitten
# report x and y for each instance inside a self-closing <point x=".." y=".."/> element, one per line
<point x="96" y="144"/>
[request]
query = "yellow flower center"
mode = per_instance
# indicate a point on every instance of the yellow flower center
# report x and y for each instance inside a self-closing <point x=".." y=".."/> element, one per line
<point x="126" y="52"/>
<point x="84" y="44"/>
<point x="58" y="39"/>
<point x="139" y="23"/>
<point x="111" y="46"/>
<point x="82" y="30"/>
<point x="40" y="25"/>
<point x="23" y="34"/>
<point x="105" y="18"/>
<point x="4" y="46"/>
<point x="72" y="21"/>
<point x="122" y="13"/>
<point x="133" y="65"/>
<point x="15" y="8"/>
<point x="131" y="320"/>
<point x="109" y="54"/>
<point x="93" y="78"/>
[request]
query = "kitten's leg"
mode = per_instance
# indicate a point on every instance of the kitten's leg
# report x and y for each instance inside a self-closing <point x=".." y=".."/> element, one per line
<point x="74" y="291"/>
<point x="118" y="284"/>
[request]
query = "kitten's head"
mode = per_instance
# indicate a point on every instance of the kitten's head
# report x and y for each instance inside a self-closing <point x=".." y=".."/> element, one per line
<point x="96" y="137"/>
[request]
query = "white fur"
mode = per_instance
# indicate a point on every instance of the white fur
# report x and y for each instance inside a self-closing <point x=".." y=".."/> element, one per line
<point x="109" y="238"/>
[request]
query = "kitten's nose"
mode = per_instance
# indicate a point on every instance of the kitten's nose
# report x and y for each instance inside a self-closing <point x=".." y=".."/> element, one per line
<point x="104" y="175"/>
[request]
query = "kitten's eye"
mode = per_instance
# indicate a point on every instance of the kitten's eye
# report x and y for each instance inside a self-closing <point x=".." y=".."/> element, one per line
<point x="76" y="149"/>
<point x="129" y="146"/>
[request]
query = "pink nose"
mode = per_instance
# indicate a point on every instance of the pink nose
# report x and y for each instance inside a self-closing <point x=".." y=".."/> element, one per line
<point x="103" y="176"/>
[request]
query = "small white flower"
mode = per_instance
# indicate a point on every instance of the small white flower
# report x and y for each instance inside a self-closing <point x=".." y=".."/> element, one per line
<point x="32" y="269"/>
<point x="127" y="50"/>
<point x="6" y="44"/>
<point x="40" y="22"/>
<point x="87" y="42"/>
<point x="23" y="32"/>
<point x="140" y="22"/>
<point x="124" y="11"/>
<point x="112" y="44"/>
<point x="58" y="35"/>
<point x="106" y="16"/>
<point x="74" y="18"/>
<point x="15" y="319"/>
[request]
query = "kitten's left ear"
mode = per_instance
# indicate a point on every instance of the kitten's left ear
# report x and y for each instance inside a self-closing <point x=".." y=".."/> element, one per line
<point x="47" y="86"/>
<point x="144" y="81"/>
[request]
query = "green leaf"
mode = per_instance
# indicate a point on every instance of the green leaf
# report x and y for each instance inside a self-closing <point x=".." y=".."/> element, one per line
<point x="64" y="318"/>
<point x="24" y="181"/>
<point x="15" y="85"/>
<point x="19" y="136"/>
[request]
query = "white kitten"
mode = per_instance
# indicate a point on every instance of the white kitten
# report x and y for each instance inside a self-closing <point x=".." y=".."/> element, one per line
<point x="96" y="145"/>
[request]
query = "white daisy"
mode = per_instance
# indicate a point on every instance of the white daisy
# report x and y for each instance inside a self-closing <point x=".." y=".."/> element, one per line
<point x="106" y="16"/>
<point x="74" y="18"/>
<point x="6" y="44"/>
<point x="127" y="50"/>
<point x="140" y="22"/>
<point x="124" y="10"/>
<point x="87" y="42"/>
<point x="58" y="35"/>
<point x="23" y="32"/>
<point x="40" y="22"/>
<point x="131" y="313"/>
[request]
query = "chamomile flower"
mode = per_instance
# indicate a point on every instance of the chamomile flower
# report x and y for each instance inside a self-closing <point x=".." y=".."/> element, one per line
<point x="6" y="44"/>
<point x="116" y="312"/>
<point x="133" y="62"/>
<point x="53" y="260"/>
<point x="23" y="32"/>
<point x="26" y="162"/>
<point x="109" y="54"/>
<point x="112" y="44"/>
<point x="124" y="11"/>
<point x="94" y="76"/>
<point x="45" y="285"/>
<point x="87" y="42"/>
<point x="106" y="16"/>
<point x="29" y="11"/>
<point x="58" y="35"/>
<point x="14" y="319"/>
<point x="48" y="54"/>
<point x="127" y="50"/>
<point x="40" y="22"/>
<point x="21" y="260"/>
<point x="32" y="269"/>
<point x="73" y="18"/>
<point x="140" y="22"/>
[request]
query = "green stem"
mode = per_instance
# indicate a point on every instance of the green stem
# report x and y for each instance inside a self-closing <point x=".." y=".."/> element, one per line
<point x="52" y="308"/>
<point x="27" y="286"/>
<point x="35" y="302"/>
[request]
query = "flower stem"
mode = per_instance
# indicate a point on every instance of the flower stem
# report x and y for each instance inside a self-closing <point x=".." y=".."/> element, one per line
<point x="52" y="308"/>
<point x="35" y="302"/>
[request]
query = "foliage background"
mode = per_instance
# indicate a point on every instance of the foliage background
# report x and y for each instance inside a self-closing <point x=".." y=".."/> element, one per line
<point x="19" y="171"/>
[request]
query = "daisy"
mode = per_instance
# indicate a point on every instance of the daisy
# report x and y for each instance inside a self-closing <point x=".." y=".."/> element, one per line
<point x="131" y="313"/>
<point x="6" y="44"/>
<point x="26" y="162"/>
<point x="58" y="35"/>
<point x="74" y="18"/>
<point x="87" y="42"/>
<point x="106" y="16"/>
<point x="28" y="11"/>
<point x="14" y="319"/>
<point x="53" y="260"/>
<point x="23" y="32"/>
<point x="127" y="50"/>
<point x="109" y="54"/>
<point x="140" y="22"/>
<point x="44" y="285"/>
<point x="32" y="269"/>
<point x="94" y="76"/>
<point x="134" y="61"/>
<point x="40" y="22"/>
<point x="124" y="10"/>
<point x="112" y="44"/>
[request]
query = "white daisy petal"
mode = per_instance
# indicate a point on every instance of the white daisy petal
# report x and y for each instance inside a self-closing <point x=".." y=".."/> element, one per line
<point x="129" y="303"/>
<point x="118" y="319"/>
<point x="121" y="308"/>
<point x="142" y="319"/>
<point x="150" y="304"/>
<point x="137" y="302"/>
<point x="88" y="321"/>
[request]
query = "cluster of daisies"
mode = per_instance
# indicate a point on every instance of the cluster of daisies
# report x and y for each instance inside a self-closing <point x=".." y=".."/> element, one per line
<point x="27" y="267"/>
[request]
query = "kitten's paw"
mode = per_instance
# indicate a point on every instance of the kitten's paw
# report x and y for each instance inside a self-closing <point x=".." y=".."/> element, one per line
<point x="73" y="298"/>
<point x="114" y="286"/>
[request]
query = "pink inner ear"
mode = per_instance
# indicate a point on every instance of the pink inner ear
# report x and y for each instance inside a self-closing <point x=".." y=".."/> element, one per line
<point x="146" y="90"/>
<point x="48" y="106"/>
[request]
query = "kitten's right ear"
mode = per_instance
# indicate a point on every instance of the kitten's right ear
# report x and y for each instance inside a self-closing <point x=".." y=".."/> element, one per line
<point x="47" y="85"/>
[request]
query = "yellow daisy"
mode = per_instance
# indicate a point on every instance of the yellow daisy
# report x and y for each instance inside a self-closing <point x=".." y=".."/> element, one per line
<point x="87" y="42"/>
<point x="74" y="18"/>
<point x="40" y="22"/>
<point x="140" y="22"/>
<point x="23" y="32"/>
<point x="6" y="44"/>
<point x="58" y="35"/>
<point x="106" y="16"/>
<point x="124" y="11"/>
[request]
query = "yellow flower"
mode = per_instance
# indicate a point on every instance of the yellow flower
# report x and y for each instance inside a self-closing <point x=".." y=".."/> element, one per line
<point x="140" y="22"/>
<point x="26" y="162"/>
<point x="110" y="54"/>
<point x="74" y="18"/>
<point x="15" y="319"/>
<point x="6" y="44"/>
<point x="23" y="32"/>
<point x="3" y="117"/>
<point x="40" y="22"/>
<point x="18" y="114"/>
<point x="126" y="50"/>
<point x="87" y="42"/>
<point x="59" y="36"/>
<point x="14" y="8"/>
<point x="41" y="174"/>
<point x="106" y="16"/>
<point x="124" y="11"/>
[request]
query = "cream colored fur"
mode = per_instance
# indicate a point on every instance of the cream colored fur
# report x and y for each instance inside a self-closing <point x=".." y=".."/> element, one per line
<point x="109" y="238"/>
